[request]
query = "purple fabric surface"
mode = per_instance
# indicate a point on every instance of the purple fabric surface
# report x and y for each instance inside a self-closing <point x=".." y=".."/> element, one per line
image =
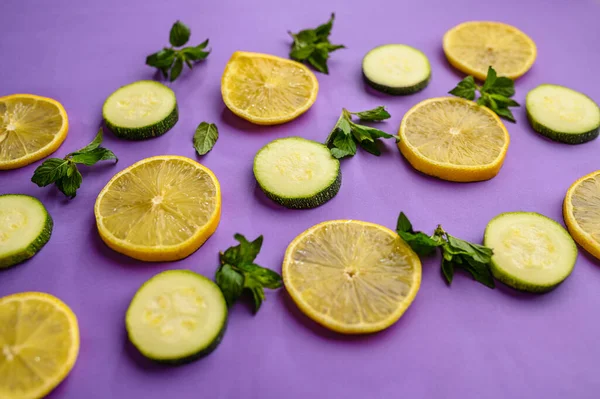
<point x="466" y="341"/>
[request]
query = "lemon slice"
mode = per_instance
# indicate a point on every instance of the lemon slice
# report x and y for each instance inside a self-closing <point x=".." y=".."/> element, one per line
<point x="352" y="277"/>
<point x="267" y="90"/>
<point x="453" y="139"/>
<point x="581" y="211"/>
<point x="31" y="128"/>
<point x="472" y="47"/>
<point x="159" y="209"/>
<point x="39" y="344"/>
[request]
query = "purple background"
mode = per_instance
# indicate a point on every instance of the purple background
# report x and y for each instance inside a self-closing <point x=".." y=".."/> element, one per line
<point x="461" y="342"/>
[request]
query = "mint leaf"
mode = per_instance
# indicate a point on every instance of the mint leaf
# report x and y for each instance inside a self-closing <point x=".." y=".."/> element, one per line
<point x="403" y="224"/>
<point x="258" y="293"/>
<point x="94" y="144"/>
<point x="323" y="31"/>
<point x="179" y="35"/>
<point x="447" y="270"/>
<point x="505" y="113"/>
<point x="162" y="59"/>
<point x="196" y="53"/>
<point x="373" y="115"/>
<point x="70" y="183"/>
<point x="490" y="80"/>
<point x="301" y="53"/>
<point x="421" y="243"/>
<point x="370" y="147"/>
<point x="245" y="252"/>
<point x="465" y="88"/>
<point x="92" y="157"/>
<point x="477" y="252"/>
<point x="176" y="69"/>
<point x="205" y="137"/>
<point x="318" y="59"/>
<point x="266" y="277"/>
<point x="371" y="132"/>
<point x="343" y="145"/>
<point x="502" y="86"/>
<point x="50" y="171"/>
<point x="230" y="282"/>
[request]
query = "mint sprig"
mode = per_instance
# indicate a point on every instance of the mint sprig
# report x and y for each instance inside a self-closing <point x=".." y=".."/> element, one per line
<point x="312" y="46"/>
<point x="64" y="173"/>
<point x="473" y="258"/>
<point x="238" y="273"/>
<point x="347" y="135"/>
<point x="205" y="137"/>
<point x="170" y="60"/>
<point x="494" y="94"/>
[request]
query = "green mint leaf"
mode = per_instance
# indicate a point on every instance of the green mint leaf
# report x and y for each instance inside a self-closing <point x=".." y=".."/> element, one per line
<point x="484" y="101"/>
<point x="371" y="131"/>
<point x="179" y="34"/>
<point x="195" y="53"/>
<point x="304" y="37"/>
<point x="266" y="277"/>
<point x="477" y="252"/>
<point x="202" y="45"/>
<point x="403" y="224"/>
<point x="503" y="86"/>
<point x="420" y="242"/>
<point x="319" y="61"/>
<point x="333" y="47"/>
<point x="92" y="157"/>
<point x="343" y="145"/>
<point x="504" y="101"/>
<point x="50" y="171"/>
<point x="447" y="270"/>
<point x="230" y="282"/>
<point x="490" y="80"/>
<point x="361" y="134"/>
<point x="479" y="271"/>
<point x="258" y="293"/>
<point x="94" y="144"/>
<point x="70" y="183"/>
<point x="176" y="69"/>
<point x="301" y="53"/>
<point x="245" y="252"/>
<point x="373" y="115"/>
<point x="465" y="88"/>
<point x="163" y="59"/>
<point x="205" y="137"/>
<point x="323" y="31"/>
<point x="505" y="113"/>
<point x="370" y="147"/>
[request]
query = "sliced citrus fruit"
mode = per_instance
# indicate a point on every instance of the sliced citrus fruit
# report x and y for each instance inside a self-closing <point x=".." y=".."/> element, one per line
<point x="39" y="344"/>
<point x="581" y="211"/>
<point x="31" y="128"/>
<point x="351" y="277"/>
<point x="159" y="209"/>
<point x="472" y="47"/>
<point x="453" y="139"/>
<point x="267" y="90"/>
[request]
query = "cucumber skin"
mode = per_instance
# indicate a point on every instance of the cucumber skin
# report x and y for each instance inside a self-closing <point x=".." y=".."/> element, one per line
<point x="566" y="138"/>
<point x="308" y="203"/>
<point x="516" y="283"/>
<point x="398" y="91"/>
<point x="143" y="133"/>
<point x="36" y="245"/>
<point x="193" y="356"/>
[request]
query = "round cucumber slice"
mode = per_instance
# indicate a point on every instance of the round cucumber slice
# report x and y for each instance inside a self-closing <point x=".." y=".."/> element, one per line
<point x="25" y="227"/>
<point x="562" y="114"/>
<point x="141" y="110"/>
<point x="531" y="251"/>
<point x="176" y="317"/>
<point x="297" y="173"/>
<point x="396" y="69"/>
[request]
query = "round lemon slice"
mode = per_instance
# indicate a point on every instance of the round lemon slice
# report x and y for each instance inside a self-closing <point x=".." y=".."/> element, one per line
<point x="267" y="90"/>
<point x="351" y="277"/>
<point x="31" y="128"/>
<point x="159" y="209"/>
<point x="39" y="344"/>
<point x="581" y="210"/>
<point x="453" y="139"/>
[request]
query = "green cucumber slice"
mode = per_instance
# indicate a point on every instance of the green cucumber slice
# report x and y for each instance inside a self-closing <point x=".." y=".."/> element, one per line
<point x="396" y="69"/>
<point x="531" y="251"/>
<point x="141" y="110"/>
<point x="563" y="114"/>
<point x="176" y="317"/>
<point x="25" y="227"/>
<point x="297" y="173"/>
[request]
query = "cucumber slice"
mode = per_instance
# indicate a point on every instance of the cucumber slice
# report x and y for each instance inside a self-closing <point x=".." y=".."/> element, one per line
<point x="297" y="173"/>
<point x="562" y="114"/>
<point x="396" y="69"/>
<point x="531" y="252"/>
<point x="25" y="227"/>
<point x="141" y="110"/>
<point x="176" y="317"/>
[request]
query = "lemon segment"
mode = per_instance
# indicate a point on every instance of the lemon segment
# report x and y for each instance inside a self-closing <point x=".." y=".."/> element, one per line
<point x="581" y="210"/>
<point x="267" y="90"/>
<point x="39" y="344"/>
<point x="31" y="128"/>
<point x="472" y="47"/>
<point x="159" y="209"/>
<point x="453" y="139"/>
<point x="351" y="277"/>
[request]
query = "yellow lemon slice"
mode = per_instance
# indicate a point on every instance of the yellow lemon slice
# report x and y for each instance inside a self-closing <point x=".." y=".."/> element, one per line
<point x="159" y="209"/>
<point x="453" y="139"/>
<point x="472" y="47"/>
<point x="351" y="277"/>
<point x="31" y="128"/>
<point x="39" y="344"/>
<point x="267" y="90"/>
<point x="581" y="210"/>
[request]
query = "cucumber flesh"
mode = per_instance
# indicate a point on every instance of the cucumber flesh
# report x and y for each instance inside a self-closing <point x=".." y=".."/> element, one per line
<point x="563" y="114"/>
<point x="25" y="227"/>
<point x="297" y="173"/>
<point x="176" y="317"/>
<point x="141" y="110"/>
<point x="531" y="252"/>
<point x="396" y="69"/>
